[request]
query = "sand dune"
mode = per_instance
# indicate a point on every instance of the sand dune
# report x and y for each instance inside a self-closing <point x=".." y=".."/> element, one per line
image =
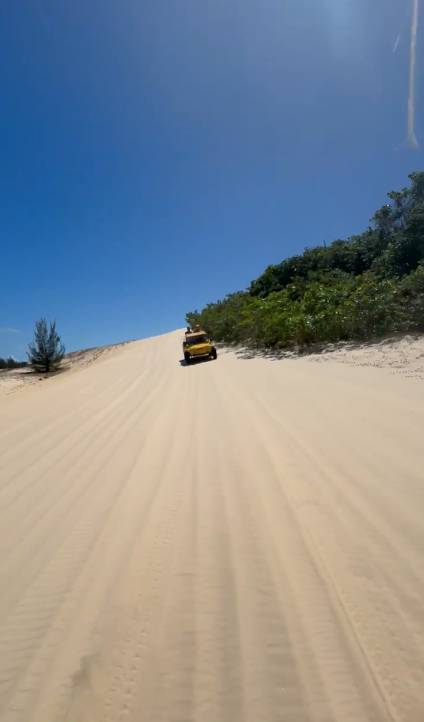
<point x="241" y="539"/>
<point x="20" y="379"/>
<point x="403" y="356"/>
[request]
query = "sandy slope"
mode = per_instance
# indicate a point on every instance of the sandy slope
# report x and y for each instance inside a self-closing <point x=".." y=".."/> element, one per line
<point x="403" y="356"/>
<point x="236" y="540"/>
<point x="14" y="380"/>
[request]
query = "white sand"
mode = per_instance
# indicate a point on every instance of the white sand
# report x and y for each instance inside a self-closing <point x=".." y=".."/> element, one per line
<point x="403" y="356"/>
<point x="13" y="380"/>
<point x="237" y="540"/>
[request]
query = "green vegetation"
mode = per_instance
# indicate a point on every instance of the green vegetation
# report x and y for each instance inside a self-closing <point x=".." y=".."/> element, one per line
<point x="11" y="363"/>
<point x="367" y="286"/>
<point x="47" y="351"/>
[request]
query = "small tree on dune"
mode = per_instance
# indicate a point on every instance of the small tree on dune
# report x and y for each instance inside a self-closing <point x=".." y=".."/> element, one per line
<point x="46" y="351"/>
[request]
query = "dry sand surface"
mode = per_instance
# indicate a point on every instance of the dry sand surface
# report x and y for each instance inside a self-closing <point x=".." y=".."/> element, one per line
<point x="402" y="356"/>
<point x="237" y="540"/>
<point x="19" y="379"/>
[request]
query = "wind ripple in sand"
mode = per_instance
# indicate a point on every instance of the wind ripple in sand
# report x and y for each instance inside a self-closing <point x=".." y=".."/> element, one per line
<point x="238" y="540"/>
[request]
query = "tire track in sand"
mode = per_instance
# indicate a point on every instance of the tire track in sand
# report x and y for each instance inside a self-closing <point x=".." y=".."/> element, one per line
<point x="224" y="555"/>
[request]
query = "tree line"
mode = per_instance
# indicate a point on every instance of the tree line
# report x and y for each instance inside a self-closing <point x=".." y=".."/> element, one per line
<point x="367" y="286"/>
<point x="11" y="363"/>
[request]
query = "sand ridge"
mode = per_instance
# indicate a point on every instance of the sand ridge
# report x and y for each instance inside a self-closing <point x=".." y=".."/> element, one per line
<point x="235" y="540"/>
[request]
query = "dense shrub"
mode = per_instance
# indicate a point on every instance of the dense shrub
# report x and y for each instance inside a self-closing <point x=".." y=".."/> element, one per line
<point x="367" y="286"/>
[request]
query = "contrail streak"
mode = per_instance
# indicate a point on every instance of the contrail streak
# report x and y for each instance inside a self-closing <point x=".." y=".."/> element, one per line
<point x="396" y="43"/>
<point x="412" y="138"/>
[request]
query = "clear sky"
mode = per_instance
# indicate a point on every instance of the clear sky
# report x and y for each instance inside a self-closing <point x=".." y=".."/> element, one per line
<point x="158" y="154"/>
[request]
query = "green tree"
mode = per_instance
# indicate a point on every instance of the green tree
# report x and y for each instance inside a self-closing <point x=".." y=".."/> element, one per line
<point x="366" y="286"/>
<point x="46" y="351"/>
<point x="411" y="293"/>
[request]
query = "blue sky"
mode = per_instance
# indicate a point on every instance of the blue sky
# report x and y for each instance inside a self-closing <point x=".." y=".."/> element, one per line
<point x="157" y="155"/>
